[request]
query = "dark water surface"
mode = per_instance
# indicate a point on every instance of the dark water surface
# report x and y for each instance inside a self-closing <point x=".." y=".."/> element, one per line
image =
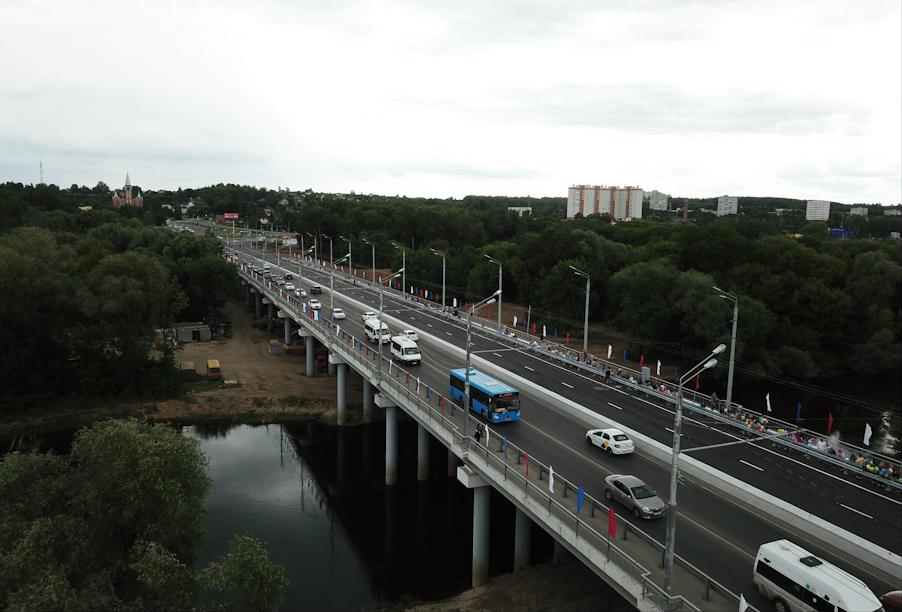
<point x="316" y="496"/>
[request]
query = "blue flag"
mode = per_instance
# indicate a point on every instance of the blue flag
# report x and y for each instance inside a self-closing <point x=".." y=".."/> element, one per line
<point x="625" y="355"/>
<point x="798" y="412"/>
<point x="555" y="332"/>
<point x="580" y="498"/>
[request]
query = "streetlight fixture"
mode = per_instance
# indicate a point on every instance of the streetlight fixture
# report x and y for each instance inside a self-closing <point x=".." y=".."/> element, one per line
<point x="586" y="323"/>
<point x="300" y="262"/>
<point x="373" y="279"/>
<point x="443" y="276"/>
<point x="705" y="364"/>
<point x="315" y="250"/>
<point x="495" y="261"/>
<point x="379" y="320"/>
<point x="729" y="296"/>
<point x="332" y="280"/>
<point x="489" y="300"/>
<point x="403" y="267"/>
<point x="350" y="261"/>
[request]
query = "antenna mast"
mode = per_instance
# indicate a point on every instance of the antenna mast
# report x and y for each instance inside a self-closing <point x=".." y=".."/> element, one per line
<point x="42" y="172"/>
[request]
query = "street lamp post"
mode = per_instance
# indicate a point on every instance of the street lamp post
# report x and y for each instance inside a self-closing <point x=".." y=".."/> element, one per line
<point x="586" y="323"/>
<point x="729" y="296"/>
<point x="379" y="321"/>
<point x="489" y="300"/>
<point x="706" y="363"/>
<point x="350" y="261"/>
<point x="443" y="276"/>
<point x="403" y="268"/>
<point x="495" y="261"/>
<point x="373" y="279"/>
<point x="332" y="265"/>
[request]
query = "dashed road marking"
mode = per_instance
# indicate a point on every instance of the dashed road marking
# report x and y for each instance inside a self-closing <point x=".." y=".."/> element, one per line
<point x="529" y="368"/>
<point x="671" y="431"/>
<point x="615" y="406"/>
<point x="857" y="511"/>
<point x="496" y="354"/>
<point x="751" y="465"/>
<point x="448" y="333"/>
<point x="566" y="385"/>
<point x="429" y="325"/>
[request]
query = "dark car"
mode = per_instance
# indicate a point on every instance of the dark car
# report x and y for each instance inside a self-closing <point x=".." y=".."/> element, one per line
<point x="892" y="601"/>
<point x="316" y="289"/>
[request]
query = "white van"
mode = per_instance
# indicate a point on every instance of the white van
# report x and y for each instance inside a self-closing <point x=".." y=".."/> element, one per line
<point x="374" y="333"/>
<point x="405" y="350"/>
<point x="795" y="580"/>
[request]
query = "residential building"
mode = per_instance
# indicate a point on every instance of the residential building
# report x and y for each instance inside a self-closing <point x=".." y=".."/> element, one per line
<point x="125" y="198"/>
<point x="859" y="211"/>
<point x="658" y="200"/>
<point x="727" y="205"/>
<point x="892" y="212"/>
<point x="817" y="210"/>
<point x="618" y="202"/>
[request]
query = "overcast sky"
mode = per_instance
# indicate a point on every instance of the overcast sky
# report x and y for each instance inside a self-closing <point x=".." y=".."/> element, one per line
<point x="696" y="98"/>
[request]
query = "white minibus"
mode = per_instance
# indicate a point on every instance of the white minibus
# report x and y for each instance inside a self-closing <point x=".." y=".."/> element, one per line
<point x="405" y="350"/>
<point x="795" y="580"/>
<point x="376" y="334"/>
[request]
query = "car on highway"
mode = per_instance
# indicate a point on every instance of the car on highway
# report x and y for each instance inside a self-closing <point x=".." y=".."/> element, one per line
<point x="316" y="289"/>
<point x="369" y="314"/>
<point x="289" y="276"/>
<point x="338" y="313"/>
<point x="411" y="334"/>
<point x="612" y="441"/>
<point x="289" y="286"/>
<point x="299" y="292"/>
<point x="279" y="280"/>
<point x="635" y="495"/>
<point x="314" y="304"/>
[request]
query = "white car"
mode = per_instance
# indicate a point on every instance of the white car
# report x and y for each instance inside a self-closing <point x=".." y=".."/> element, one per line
<point x="612" y="441"/>
<point x="314" y="304"/>
<point x="299" y="292"/>
<point x="369" y="314"/>
<point x="411" y="334"/>
<point x="338" y="313"/>
<point x="289" y="286"/>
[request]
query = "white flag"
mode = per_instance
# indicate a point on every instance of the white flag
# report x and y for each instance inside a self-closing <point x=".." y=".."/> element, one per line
<point x="610" y="350"/>
<point x="551" y="479"/>
<point x="515" y="320"/>
<point x="659" y="368"/>
<point x="867" y="434"/>
<point x="543" y="331"/>
<point x="454" y="302"/>
<point x="743" y="606"/>
<point x="418" y="386"/>
<point x="486" y="437"/>
<point x="767" y="397"/>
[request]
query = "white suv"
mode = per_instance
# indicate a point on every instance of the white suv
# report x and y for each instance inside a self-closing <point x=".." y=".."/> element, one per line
<point x="369" y="314"/>
<point x="314" y="304"/>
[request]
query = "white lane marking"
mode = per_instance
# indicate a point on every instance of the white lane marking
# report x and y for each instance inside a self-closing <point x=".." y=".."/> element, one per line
<point x="671" y="431"/>
<point x="615" y="406"/>
<point x="429" y="325"/>
<point x="858" y="511"/>
<point x="412" y="319"/>
<point x="448" y="333"/>
<point x="529" y="368"/>
<point x="751" y="465"/>
<point x="566" y="385"/>
<point x="496" y="354"/>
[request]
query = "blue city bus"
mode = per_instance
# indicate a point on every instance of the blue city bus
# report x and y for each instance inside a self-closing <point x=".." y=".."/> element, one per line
<point x="489" y="397"/>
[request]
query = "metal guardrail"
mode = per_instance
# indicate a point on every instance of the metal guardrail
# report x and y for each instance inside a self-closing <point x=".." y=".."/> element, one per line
<point x="514" y="463"/>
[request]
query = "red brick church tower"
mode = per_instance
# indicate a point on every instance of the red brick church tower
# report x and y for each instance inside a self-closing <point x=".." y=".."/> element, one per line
<point x="125" y="197"/>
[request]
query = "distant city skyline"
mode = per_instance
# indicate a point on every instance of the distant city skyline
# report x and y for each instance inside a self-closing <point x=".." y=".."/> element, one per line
<point x="473" y="98"/>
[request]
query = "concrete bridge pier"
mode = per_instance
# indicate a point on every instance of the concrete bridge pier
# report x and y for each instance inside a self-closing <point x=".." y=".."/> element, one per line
<point x="258" y="303"/>
<point x="332" y="369"/>
<point x="453" y="462"/>
<point x="422" y="453"/>
<point x="270" y="312"/>
<point x="522" y="541"/>
<point x="341" y="369"/>
<point x="391" y="439"/>
<point x="287" y="318"/>
<point x="309" y="349"/>
<point x="481" y="499"/>
<point x="248" y="293"/>
<point x="367" y="401"/>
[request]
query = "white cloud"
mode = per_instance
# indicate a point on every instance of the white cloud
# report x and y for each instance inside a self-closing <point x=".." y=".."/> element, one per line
<point x="694" y="98"/>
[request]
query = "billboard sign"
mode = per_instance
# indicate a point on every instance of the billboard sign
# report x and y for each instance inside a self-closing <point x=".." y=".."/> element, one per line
<point x="230" y="216"/>
<point x="289" y="241"/>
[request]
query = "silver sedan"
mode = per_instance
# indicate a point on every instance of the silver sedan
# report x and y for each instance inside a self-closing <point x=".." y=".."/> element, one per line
<point x="635" y="495"/>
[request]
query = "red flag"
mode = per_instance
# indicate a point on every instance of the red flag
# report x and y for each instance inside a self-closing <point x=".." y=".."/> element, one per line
<point x="829" y="421"/>
<point x="488" y="314"/>
<point x="612" y="522"/>
<point x="533" y="329"/>
<point x="698" y="381"/>
<point x="568" y="337"/>
<point x="641" y="361"/>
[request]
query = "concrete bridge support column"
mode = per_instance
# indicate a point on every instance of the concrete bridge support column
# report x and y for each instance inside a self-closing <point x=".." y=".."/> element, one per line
<point x="367" y="401"/>
<point x="422" y="453"/>
<point x="481" y="498"/>
<point x="270" y="311"/>
<point x="453" y="462"/>
<point x="522" y="541"/>
<point x="258" y="305"/>
<point x="287" y="331"/>
<point x="342" y="396"/>
<point x="391" y="439"/>
<point x="248" y="294"/>
<point x="309" y="350"/>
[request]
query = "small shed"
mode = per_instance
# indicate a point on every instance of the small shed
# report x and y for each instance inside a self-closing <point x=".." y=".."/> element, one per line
<point x="191" y="332"/>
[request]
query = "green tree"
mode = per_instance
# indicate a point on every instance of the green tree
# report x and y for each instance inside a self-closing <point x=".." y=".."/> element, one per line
<point x="245" y="579"/>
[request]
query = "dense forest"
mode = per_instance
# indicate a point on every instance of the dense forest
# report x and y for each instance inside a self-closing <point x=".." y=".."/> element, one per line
<point x="811" y="308"/>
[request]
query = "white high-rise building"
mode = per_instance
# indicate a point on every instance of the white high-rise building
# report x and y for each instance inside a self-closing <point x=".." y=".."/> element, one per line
<point x="817" y="210"/>
<point x="618" y="202"/>
<point x="658" y="200"/>
<point x="727" y="205"/>
<point x="859" y="211"/>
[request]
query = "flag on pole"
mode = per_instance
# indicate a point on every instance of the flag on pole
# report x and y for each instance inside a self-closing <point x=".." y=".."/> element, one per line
<point x="454" y="302"/>
<point x="555" y="333"/>
<point x="798" y="412"/>
<point x="544" y="331"/>
<point x="767" y="399"/>
<point x="533" y="328"/>
<point x="659" y="368"/>
<point x="550" y="479"/>
<point x="867" y="434"/>
<point x="625" y="355"/>
<point x="580" y="497"/>
<point x="743" y="606"/>
<point x="641" y="360"/>
<point x="829" y="421"/>
<point x="612" y="522"/>
<point x="515" y="321"/>
<point x="610" y="351"/>
<point x="486" y="437"/>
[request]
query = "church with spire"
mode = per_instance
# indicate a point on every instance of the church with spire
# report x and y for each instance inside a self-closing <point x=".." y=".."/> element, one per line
<point x="125" y="197"/>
